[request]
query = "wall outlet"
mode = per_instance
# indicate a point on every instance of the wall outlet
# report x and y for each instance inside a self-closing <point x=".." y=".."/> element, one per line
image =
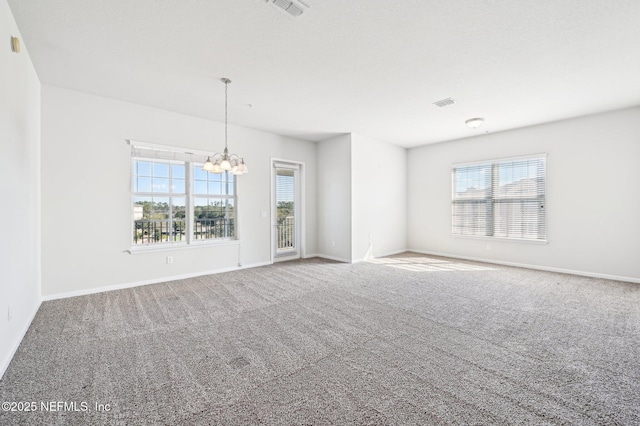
<point x="489" y="246"/>
<point x="10" y="312"/>
<point x="263" y="214"/>
<point x="169" y="260"/>
<point x="333" y="243"/>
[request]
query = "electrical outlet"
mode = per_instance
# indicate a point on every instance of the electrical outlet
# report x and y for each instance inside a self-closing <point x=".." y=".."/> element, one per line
<point x="169" y="260"/>
<point x="333" y="243"/>
<point x="10" y="312"/>
<point x="489" y="246"/>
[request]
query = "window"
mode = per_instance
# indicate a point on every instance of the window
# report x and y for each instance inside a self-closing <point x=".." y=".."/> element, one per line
<point x="500" y="198"/>
<point x="159" y="201"/>
<point x="175" y="202"/>
<point x="213" y="205"/>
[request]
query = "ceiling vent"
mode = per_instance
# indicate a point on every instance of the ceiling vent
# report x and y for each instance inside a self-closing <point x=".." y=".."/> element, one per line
<point x="294" y="8"/>
<point x="444" y="102"/>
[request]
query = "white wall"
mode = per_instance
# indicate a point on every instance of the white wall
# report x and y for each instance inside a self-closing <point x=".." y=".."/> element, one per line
<point x="20" y="189"/>
<point x="334" y="198"/>
<point x="379" y="198"/>
<point x="86" y="171"/>
<point x="593" y="195"/>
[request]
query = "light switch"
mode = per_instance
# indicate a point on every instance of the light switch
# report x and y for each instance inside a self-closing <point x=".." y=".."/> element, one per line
<point x="263" y="214"/>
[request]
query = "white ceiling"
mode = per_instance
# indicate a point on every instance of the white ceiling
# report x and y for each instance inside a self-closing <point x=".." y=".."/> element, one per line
<point x="368" y="66"/>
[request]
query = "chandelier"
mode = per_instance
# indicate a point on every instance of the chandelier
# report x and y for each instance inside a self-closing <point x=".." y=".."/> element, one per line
<point x="225" y="162"/>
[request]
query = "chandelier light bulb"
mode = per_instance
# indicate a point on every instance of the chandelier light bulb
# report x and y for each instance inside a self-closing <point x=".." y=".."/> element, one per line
<point x="208" y="165"/>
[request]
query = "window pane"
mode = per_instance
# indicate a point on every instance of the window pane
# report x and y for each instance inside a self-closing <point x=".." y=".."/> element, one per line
<point x="178" y="186"/>
<point x="229" y="187"/>
<point x="200" y="187"/>
<point x="285" y="191"/>
<point x="159" y="208"/>
<point x="472" y="181"/>
<point x="151" y="219"/>
<point x="223" y="184"/>
<point x="199" y="174"/>
<point x="214" y="188"/>
<point x="161" y="170"/>
<point x="142" y="168"/>
<point x="142" y="184"/>
<point x="179" y="224"/>
<point x="213" y="218"/>
<point x="471" y="217"/>
<point x="160" y="185"/>
<point x="520" y="218"/>
<point x="177" y="171"/>
<point x="141" y="205"/>
<point x="520" y="178"/>
<point x="212" y="183"/>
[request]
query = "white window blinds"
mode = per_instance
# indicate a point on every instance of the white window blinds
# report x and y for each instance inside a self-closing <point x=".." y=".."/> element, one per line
<point x="500" y="198"/>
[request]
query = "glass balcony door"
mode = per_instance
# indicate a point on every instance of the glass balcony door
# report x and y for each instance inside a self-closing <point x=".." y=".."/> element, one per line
<point x="287" y="211"/>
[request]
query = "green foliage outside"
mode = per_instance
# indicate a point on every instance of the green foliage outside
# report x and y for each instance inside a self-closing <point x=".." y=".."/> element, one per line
<point x="284" y="209"/>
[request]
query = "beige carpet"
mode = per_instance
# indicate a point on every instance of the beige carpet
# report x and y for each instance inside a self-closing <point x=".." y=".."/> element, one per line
<point x="403" y="340"/>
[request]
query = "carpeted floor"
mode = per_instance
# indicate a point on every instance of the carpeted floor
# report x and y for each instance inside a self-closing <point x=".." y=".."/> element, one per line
<point x="403" y="340"/>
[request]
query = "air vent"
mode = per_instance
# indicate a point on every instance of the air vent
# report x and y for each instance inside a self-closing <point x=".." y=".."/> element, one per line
<point x="293" y="8"/>
<point x="445" y="102"/>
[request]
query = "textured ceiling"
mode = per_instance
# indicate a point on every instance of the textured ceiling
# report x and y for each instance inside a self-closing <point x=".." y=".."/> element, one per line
<point x="368" y="66"/>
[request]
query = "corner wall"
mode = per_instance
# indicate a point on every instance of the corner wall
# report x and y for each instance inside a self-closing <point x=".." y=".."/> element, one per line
<point x="20" y="193"/>
<point x="334" y="198"/>
<point x="86" y="193"/>
<point x="593" y="195"/>
<point x="379" y="198"/>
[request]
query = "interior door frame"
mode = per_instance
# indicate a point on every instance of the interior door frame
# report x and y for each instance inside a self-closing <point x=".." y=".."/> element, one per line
<point x="301" y="253"/>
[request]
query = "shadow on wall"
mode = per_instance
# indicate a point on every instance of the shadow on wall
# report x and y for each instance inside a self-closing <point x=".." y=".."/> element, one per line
<point x="425" y="264"/>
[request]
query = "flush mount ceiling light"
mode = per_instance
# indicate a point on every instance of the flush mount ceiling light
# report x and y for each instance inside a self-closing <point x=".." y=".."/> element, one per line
<point x="225" y="162"/>
<point x="474" y="123"/>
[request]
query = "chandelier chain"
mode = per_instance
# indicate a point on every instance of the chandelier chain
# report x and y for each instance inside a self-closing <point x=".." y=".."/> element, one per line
<point x="226" y="89"/>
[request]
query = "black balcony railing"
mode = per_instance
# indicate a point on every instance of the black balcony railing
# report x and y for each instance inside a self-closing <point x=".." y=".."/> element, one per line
<point x="204" y="229"/>
<point x="158" y="231"/>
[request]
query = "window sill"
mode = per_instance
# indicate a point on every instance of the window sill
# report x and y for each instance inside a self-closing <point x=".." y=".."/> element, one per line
<point x="181" y="246"/>
<point x="513" y="240"/>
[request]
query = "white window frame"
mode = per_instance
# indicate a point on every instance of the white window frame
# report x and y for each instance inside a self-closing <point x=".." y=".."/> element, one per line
<point x="189" y="158"/>
<point x="168" y="195"/>
<point x="493" y="199"/>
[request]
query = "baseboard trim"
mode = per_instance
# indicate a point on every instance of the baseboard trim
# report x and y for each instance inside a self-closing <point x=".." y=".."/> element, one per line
<point x="16" y="344"/>
<point x="362" y="259"/>
<point x="324" y="256"/>
<point x="88" y="291"/>
<point x="529" y="266"/>
<point x="391" y="253"/>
